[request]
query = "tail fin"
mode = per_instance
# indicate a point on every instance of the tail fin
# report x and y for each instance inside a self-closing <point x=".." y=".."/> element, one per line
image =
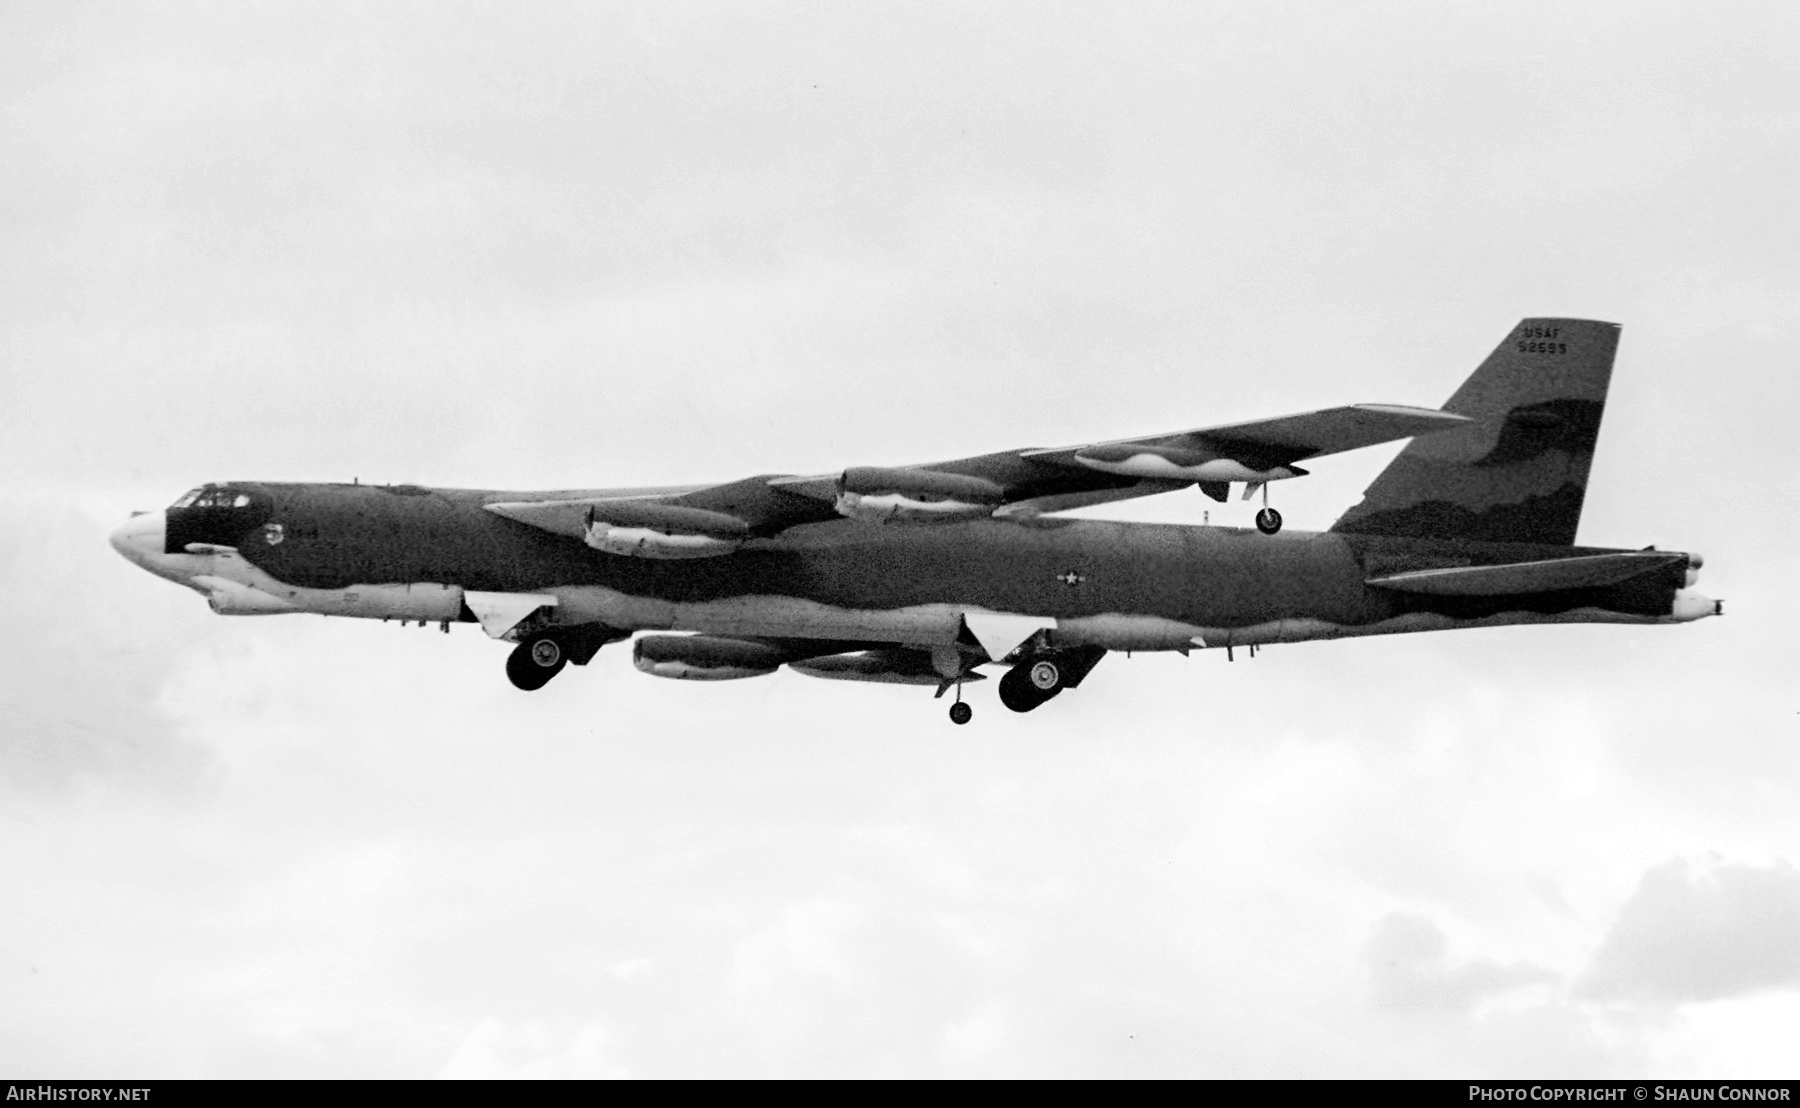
<point x="1519" y="472"/>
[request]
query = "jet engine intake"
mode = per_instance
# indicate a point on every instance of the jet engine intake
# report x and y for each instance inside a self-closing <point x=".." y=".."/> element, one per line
<point x="703" y="657"/>
<point x="878" y="495"/>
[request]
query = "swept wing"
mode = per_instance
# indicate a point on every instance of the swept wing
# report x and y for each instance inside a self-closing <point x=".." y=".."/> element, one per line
<point x="717" y="519"/>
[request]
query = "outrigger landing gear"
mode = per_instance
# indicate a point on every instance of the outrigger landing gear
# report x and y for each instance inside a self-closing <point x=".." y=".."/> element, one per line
<point x="1268" y="521"/>
<point x="960" y="713"/>
<point x="535" y="661"/>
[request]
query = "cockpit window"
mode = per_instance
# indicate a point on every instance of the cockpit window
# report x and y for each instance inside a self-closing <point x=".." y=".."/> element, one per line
<point x="211" y="497"/>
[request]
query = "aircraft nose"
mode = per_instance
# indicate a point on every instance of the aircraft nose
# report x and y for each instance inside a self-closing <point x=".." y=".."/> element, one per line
<point x="140" y="538"/>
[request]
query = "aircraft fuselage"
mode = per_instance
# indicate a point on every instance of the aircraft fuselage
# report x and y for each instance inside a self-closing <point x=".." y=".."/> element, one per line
<point x="408" y="552"/>
<point x="919" y="574"/>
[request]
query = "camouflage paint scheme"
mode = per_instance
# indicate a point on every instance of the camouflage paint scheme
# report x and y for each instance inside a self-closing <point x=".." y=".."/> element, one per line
<point x="1519" y="472"/>
<point x="1502" y="487"/>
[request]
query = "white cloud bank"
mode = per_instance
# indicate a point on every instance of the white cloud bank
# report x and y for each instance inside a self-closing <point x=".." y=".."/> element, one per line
<point x="1699" y="931"/>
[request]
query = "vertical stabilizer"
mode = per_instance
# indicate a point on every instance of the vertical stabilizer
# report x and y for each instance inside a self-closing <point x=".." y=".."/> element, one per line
<point x="1519" y="472"/>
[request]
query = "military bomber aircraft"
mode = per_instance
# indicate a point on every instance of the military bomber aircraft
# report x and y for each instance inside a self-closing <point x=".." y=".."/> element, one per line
<point x="921" y="574"/>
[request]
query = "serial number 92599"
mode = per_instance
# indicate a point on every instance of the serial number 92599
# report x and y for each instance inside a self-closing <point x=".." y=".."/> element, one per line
<point x="1541" y="340"/>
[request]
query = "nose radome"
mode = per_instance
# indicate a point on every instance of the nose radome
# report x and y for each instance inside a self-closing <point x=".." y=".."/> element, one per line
<point x="140" y="537"/>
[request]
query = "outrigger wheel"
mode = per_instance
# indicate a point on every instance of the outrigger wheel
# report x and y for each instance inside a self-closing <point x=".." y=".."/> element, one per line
<point x="535" y="661"/>
<point x="1268" y="521"/>
<point x="960" y="713"/>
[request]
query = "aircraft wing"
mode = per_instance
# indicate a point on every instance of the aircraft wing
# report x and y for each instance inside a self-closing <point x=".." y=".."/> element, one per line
<point x="698" y="522"/>
<point x="1328" y="430"/>
<point x="1015" y="484"/>
<point x="1254" y="452"/>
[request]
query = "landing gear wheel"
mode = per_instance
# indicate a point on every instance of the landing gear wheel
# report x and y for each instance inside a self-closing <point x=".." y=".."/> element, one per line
<point x="1268" y="521"/>
<point x="535" y="661"/>
<point x="961" y="713"/>
<point x="1021" y="690"/>
<point x="546" y="653"/>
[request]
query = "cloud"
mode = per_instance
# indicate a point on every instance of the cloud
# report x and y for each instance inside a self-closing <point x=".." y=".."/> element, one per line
<point x="1410" y="969"/>
<point x="593" y="246"/>
<point x="80" y="677"/>
<point x="1697" y="931"/>
<point x="493" y="1049"/>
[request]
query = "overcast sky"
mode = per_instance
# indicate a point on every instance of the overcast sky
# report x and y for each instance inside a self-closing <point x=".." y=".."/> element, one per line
<point x="584" y="245"/>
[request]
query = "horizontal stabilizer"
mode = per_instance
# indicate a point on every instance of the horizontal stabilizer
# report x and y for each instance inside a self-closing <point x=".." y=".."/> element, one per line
<point x="1593" y="571"/>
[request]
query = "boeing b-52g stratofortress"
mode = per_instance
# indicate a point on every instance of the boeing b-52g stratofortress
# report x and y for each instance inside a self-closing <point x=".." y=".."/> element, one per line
<point x="920" y="574"/>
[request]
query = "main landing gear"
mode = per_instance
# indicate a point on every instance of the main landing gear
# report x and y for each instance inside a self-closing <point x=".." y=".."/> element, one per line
<point x="1030" y="684"/>
<point x="542" y="654"/>
<point x="1037" y="679"/>
<point x="535" y="661"/>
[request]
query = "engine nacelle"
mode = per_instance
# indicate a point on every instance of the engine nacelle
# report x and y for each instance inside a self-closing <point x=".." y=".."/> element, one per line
<point x="639" y="529"/>
<point x="887" y="667"/>
<point x="647" y="542"/>
<point x="877" y="495"/>
<point x="703" y="657"/>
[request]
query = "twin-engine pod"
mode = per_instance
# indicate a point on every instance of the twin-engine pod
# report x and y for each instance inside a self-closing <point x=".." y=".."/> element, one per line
<point x="878" y="495"/>
<point x="635" y="528"/>
<point x="893" y="666"/>
<point x="648" y="530"/>
<point x="647" y="542"/>
<point x="1178" y="463"/>
<point x="703" y="657"/>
